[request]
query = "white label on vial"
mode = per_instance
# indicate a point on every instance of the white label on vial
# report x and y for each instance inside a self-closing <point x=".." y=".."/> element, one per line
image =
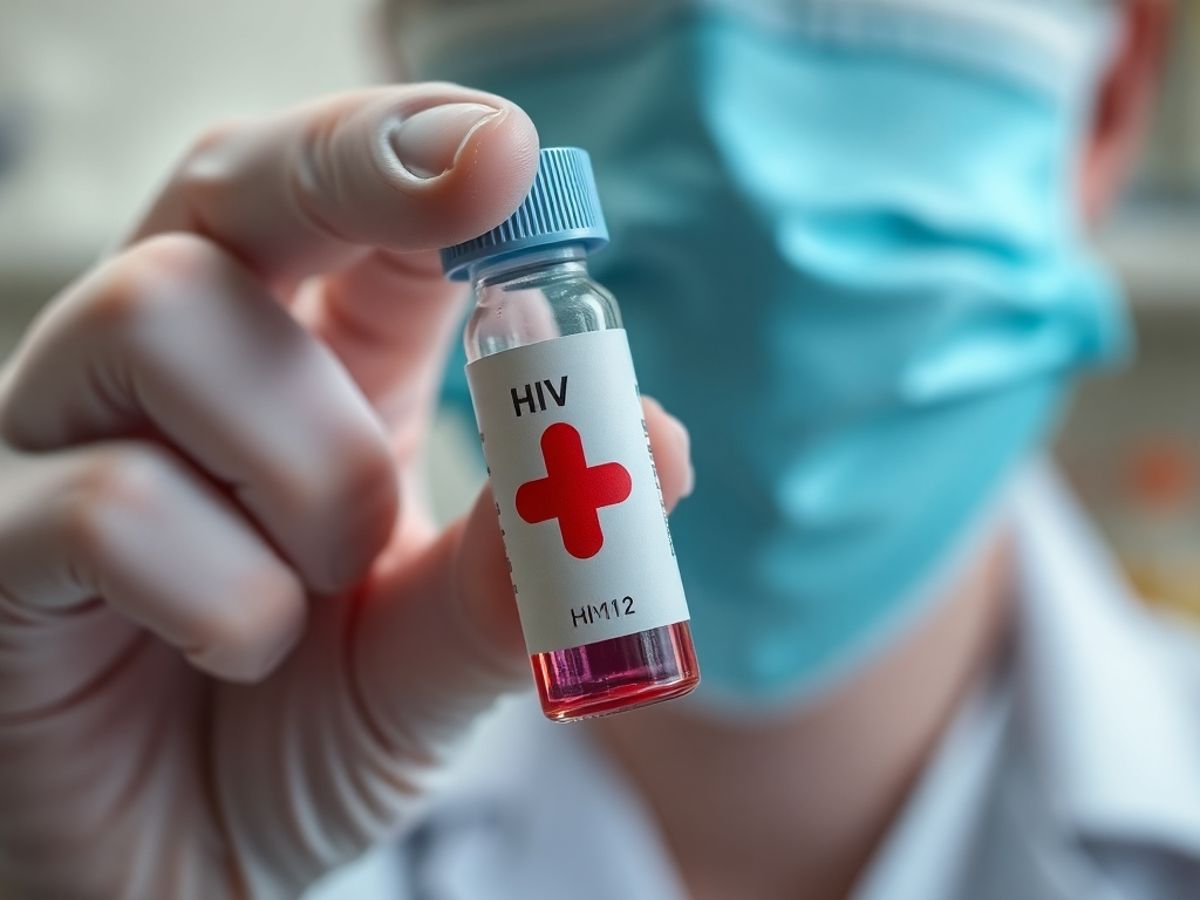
<point x="576" y="490"/>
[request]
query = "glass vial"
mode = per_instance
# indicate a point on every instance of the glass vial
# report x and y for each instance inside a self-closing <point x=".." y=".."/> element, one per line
<point x="598" y="588"/>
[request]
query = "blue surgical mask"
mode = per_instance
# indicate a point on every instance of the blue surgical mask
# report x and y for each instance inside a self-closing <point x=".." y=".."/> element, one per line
<point x="854" y="272"/>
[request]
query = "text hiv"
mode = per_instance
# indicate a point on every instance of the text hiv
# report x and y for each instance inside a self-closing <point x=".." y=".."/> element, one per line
<point x="534" y="397"/>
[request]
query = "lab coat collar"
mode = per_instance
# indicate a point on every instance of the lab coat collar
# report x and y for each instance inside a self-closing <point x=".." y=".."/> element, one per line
<point x="1111" y="724"/>
<point x="928" y="852"/>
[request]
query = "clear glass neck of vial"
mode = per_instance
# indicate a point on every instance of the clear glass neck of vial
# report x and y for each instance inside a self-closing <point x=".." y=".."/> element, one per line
<point x="536" y="296"/>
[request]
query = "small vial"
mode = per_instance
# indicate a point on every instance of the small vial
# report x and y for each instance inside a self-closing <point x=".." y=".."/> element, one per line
<point x="593" y="568"/>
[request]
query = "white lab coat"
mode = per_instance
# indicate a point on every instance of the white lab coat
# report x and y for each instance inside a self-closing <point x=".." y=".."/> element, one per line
<point x="1073" y="775"/>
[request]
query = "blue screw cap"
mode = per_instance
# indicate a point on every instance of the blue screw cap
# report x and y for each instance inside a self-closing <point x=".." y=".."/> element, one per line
<point x="562" y="208"/>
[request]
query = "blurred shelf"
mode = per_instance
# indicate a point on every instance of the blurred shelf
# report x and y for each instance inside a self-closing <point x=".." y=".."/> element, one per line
<point x="1156" y="252"/>
<point x="28" y="280"/>
<point x="98" y="99"/>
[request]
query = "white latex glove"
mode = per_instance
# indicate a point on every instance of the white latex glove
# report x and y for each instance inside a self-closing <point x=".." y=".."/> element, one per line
<point x="232" y="655"/>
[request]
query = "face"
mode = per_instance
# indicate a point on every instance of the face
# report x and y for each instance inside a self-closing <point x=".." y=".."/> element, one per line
<point x="854" y="267"/>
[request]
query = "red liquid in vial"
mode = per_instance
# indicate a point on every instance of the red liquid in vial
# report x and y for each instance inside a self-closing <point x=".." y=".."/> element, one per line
<point x="617" y="674"/>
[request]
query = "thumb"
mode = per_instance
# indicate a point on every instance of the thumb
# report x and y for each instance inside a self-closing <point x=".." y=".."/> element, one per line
<point x="407" y="168"/>
<point x="445" y="643"/>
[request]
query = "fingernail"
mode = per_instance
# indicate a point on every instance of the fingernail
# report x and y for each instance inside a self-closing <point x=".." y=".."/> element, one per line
<point x="427" y="142"/>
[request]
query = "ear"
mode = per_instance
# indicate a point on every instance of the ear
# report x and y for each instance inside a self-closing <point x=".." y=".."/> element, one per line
<point x="1124" y="102"/>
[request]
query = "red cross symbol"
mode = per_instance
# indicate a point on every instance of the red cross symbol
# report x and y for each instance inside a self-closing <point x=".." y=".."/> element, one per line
<point x="572" y="491"/>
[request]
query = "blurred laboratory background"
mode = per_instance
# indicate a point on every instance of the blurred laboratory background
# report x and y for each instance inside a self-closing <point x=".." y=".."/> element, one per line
<point x="97" y="99"/>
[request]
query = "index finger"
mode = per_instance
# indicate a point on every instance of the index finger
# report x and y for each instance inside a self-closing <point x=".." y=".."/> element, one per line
<point x="411" y="167"/>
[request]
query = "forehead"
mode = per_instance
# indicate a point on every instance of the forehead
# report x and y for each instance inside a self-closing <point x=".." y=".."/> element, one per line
<point x="1056" y="45"/>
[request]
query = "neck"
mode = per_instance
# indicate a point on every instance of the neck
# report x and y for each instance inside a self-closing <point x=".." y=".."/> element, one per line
<point x="797" y="807"/>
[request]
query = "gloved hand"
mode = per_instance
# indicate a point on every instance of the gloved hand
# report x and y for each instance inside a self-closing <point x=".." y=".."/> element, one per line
<point x="233" y="649"/>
